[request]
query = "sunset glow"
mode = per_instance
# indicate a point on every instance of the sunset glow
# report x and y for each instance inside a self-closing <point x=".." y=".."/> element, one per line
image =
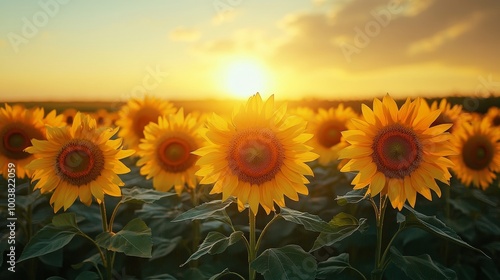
<point x="244" y="78"/>
<point x="77" y="50"/>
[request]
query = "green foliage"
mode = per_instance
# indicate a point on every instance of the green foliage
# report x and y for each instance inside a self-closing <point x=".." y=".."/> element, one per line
<point x="133" y="240"/>
<point x="337" y="268"/>
<point x="288" y="262"/>
<point x="142" y="195"/>
<point x="52" y="237"/>
<point x="436" y="227"/>
<point x="309" y="221"/>
<point x="420" y="267"/>
<point x="207" y="210"/>
<point x="215" y="243"/>
<point x="342" y="226"/>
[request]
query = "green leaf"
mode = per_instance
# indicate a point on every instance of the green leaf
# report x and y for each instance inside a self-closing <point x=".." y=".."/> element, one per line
<point x="142" y="195"/>
<point x="224" y="273"/>
<point x="24" y="201"/>
<point x="88" y="275"/>
<point x="133" y="240"/>
<point x="343" y="225"/>
<point x="354" y="196"/>
<point x="420" y="267"/>
<point x="309" y="221"/>
<point x="204" y="211"/>
<point x="47" y="240"/>
<point x="54" y="258"/>
<point x="94" y="260"/>
<point x="65" y="220"/>
<point x="481" y="196"/>
<point x="164" y="247"/>
<point x="215" y="243"/>
<point x="334" y="267"/>
<point x="161" y="276"/>
<point x="289" y="262"/>
<point x="435" y="226"/>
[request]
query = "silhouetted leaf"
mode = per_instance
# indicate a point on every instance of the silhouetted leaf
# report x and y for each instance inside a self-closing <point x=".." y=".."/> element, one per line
<point x="420" y="267"/>
<point x="289" y="262"/>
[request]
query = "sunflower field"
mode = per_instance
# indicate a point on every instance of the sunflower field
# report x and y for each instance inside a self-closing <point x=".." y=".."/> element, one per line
<point x="150" y="189"/>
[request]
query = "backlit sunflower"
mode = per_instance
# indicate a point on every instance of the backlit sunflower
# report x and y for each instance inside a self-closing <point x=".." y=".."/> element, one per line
<point x="69" y="115"/>
<point x="449" y="114"/>
<point x="397" y="152"/>
<point x="18" y="126"/>
<point x="493" y="115"/>
<point x="166" y="151"/>
<point x="479" y="153"/>
<point x="103" y="118"/>
<point x="326" y="126"/>
<point x="258" y="156"/>
<point x="138" y="113"/>
<point x="78" y="161"/>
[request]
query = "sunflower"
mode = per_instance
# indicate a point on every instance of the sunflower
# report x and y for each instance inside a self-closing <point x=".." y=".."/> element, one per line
<point x="69" y="115"/>
<point x="166" y="151"/>
<point x="449" y="114"/>
<point x="327" y="126"/>
<point x="479" y="158"/>
<point x="258" y="156"/>
<point x="103" y="118"/>
<point x="18" y="126"/>
<point x="78" y="161"/>
<point x="305" y="113"/>
<point x="397" y="152"/>
<point x="493" y="115"/>
<point x="136" y="114"/>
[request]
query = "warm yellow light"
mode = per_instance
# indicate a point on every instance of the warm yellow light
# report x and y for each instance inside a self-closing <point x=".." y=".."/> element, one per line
<point x="244" y="78"/>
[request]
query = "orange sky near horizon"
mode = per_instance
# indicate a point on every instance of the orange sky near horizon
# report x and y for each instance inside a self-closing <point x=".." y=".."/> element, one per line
<point x="63" y="50"/>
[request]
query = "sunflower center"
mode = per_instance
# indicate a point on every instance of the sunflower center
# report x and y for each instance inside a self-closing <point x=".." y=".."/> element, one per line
<point x="397" y="151"/>
<point x="15" y="138"/>
<point x="329" y="134"/>
<point x="477" y="152"/>
<point x="79" y="162"/>
<point x="69" y="120"/>
<point x="255" y="155"/>
<point x="143" y="118"/>
<point x="174" y="154"/>
<point x="496" y="121"/>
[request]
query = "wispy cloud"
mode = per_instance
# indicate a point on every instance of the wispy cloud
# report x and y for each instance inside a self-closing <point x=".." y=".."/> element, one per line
<point x="450" y="33"/>
<point x="184" y="34"/>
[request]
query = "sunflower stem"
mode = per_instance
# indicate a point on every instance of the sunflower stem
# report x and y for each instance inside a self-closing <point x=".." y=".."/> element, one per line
<point x="259" y="240"/>
<point x="113" y="216"/>
<point x="108" y="264"/>
<point x="196" y="227"/>
<point x="101" y="253"/>
<point x="104" y="216"/>
<point x="29" y="231"/>
<point x="251" y="247"/>
<point x="379" y="262"/>
<point x="447" y="195"/>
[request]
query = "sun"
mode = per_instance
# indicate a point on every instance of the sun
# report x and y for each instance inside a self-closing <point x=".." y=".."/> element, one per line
<point x="245" y="77"/>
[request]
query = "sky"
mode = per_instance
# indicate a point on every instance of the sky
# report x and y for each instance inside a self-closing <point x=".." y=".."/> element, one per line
<point x="74" y="50"/>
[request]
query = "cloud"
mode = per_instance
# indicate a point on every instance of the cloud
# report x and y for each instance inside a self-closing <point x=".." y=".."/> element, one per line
<point x="184" y="34"/>
<point x="448" y="34"/>
<point x="224" y="13"/>
<point x="241" y="41"/>
<point x="363" y="37"/>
